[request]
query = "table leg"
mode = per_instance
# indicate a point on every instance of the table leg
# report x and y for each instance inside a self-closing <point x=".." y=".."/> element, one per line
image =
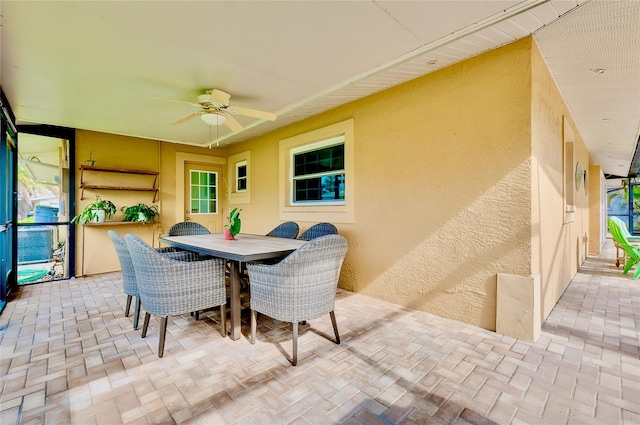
<point x="234" y="272"/>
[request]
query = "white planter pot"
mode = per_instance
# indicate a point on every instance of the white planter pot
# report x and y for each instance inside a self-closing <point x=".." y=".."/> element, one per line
<point x="141" y="218"/>
<point x="99" y="216"/>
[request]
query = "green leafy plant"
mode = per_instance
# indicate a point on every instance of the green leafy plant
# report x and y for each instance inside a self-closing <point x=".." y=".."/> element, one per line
<point x="89" y="213"/>
<point x="140" y="213"/>
<point x="234" y="221"/>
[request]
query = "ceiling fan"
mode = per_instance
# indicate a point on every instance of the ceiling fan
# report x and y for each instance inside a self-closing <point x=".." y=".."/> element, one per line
<point x="215" y="110"/>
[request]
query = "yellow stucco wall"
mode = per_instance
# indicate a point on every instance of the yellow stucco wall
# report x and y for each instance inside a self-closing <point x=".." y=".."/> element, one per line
<point x="558" y="248"/>
<point x="442" y="185"/>
<point x="94" y="249"/>
<point x="458" y="177"/>
<point x="597" y="209"/>
<point x="170" y="196"/>
<point x="95" y="252"/>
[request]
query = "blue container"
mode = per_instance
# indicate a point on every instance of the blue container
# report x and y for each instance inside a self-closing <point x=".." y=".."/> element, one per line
<point x="46" y="214"/>
<point x="35" y="244"/>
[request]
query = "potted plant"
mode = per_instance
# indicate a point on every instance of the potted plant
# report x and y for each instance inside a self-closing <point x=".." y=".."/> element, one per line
<point x="233" y="228"/>
<point x="96" y="212"/>
<point x="141" y="213"/>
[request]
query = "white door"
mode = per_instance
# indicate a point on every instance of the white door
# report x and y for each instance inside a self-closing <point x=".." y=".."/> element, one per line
<point x="202" y="191"/>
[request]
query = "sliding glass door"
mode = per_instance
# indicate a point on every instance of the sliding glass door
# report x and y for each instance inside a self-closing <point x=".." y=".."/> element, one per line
<point x="45" y="195"/>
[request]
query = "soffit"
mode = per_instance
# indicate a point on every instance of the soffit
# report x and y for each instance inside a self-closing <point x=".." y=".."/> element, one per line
<point x="102" y="66"/>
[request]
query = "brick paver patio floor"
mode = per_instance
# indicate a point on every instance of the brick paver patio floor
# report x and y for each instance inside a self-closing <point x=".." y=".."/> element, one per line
<point x="68" y="355"/>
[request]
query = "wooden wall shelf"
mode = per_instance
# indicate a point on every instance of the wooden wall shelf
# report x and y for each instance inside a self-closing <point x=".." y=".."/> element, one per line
<point x="118" y="223"/>
<point x="90" y="168"/>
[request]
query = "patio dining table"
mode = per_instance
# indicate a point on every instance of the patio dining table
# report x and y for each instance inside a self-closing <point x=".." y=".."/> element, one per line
<point x="244" y="248"/>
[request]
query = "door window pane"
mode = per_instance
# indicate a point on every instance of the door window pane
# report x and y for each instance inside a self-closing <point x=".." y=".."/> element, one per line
<point x="204" y="192"/>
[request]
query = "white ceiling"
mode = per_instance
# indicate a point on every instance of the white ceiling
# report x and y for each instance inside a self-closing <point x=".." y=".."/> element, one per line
<point x="103" y="66"/>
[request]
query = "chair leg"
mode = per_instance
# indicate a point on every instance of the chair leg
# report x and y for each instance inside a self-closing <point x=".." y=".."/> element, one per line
<point x="163" y="333"/>
<point x="145" y="325"/>
<point x="335" y="326"/>
<point x="137" y="313"/>
<point x="223" y="320"/>
<point x="254" y="319"/>
<point x="127" y="306"/>
<point x="295" y="343"/>
<point x="628" y="266"/>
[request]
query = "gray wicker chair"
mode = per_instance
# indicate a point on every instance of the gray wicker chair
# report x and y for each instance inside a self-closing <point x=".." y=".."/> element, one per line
<point x="169" y="287"/>
<point x="318" y="230"/>
<point x="288" y="229"/>
<point x="301" y="287"/>
<point x="129" y="275"/>
<point x="185" y="228"/>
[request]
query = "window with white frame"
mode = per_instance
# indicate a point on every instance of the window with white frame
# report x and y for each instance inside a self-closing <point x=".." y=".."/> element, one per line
<point x="316" y="175"/>
<point x="241" y="176"/>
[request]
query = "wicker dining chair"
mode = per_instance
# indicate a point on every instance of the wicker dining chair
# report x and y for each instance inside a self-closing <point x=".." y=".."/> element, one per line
<point x="318" y="230"/>
<point x="288" y="229"/>
<point x="170" y="287"/>
<point x="299" y="288"/>
<point x="186" y="228"/>
<point x="129" y="275"/>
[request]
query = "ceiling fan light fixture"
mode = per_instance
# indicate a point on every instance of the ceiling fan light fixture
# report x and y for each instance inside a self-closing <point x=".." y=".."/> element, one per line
<point x="214" y="118"/>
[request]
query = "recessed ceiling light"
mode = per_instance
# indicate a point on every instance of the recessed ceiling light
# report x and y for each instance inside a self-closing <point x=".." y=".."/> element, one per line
<point x="432" y="62"/>
<point x="605" y="119"/>
<point x="599" y="71"/>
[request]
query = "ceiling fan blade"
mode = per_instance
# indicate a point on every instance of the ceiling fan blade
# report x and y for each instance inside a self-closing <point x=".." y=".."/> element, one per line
<point x="233" y="124"/>
<point x="220" y="97"/>
<point x="186" y="118"/>
<point x="248" y="112"/>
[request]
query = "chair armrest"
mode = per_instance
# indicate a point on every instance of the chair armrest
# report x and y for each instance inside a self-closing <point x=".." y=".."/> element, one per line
<point x="182" y="255"/>
<point x="178" y="254"/>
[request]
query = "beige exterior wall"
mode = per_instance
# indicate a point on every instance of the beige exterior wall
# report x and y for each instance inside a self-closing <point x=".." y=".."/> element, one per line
<point x="171" y="195"/>
<point x="442" y="188"/>
<point x="558" y="248"/>
<point x="597" y="209"/>
<point x="95" y="252"/>
<point x="458" y="177"/>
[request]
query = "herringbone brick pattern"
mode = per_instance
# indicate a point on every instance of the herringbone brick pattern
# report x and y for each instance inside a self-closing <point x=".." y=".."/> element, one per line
<point x="68" y="355"/>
